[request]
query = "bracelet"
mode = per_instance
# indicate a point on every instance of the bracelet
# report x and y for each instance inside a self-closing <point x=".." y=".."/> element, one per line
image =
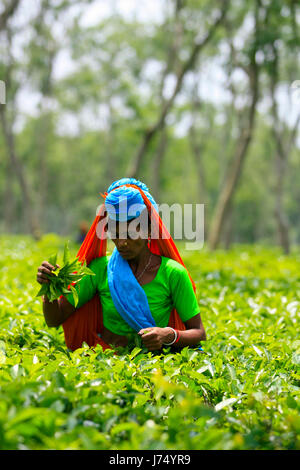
<point x="175" y="338"/>
<point x="178" y="335"/>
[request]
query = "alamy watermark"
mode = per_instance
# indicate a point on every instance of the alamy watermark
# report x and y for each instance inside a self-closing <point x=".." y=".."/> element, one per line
<point x="2" y="92"/>
<point x="186" y="222"/>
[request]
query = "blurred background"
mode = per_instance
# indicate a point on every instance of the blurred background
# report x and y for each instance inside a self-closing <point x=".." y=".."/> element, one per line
<point x="200" y="99"/>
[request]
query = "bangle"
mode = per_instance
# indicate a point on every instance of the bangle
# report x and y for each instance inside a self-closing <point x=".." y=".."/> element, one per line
<point x="174" y="340"/>
<point x="178" y="336"/>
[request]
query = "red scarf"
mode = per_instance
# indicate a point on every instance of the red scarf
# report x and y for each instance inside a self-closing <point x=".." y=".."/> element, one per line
<point x="87" y="321"/>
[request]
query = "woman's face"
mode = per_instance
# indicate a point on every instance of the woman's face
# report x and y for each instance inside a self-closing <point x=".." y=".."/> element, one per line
<point x="129" y="242"/>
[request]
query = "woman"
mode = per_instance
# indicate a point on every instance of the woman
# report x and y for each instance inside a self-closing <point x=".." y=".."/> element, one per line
<point x="143" y="287"/>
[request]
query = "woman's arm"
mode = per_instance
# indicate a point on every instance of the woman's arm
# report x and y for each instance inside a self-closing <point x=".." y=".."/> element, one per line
<point x="56" y="312"/>
<point x="154" y="338"/>
<point x="193" y="334"/>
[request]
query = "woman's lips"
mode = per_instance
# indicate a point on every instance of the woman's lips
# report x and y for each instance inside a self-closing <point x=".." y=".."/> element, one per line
<point x="123" y="252"/>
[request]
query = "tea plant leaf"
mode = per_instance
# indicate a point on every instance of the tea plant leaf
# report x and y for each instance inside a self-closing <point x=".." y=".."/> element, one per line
<point x="227" y="402"/>
<point x="66" y="253"/>
<point x="75" y="295"/>
<point x="53" y="259"/>
<point x="43" y="290"/>
<point x="257" y="350"/>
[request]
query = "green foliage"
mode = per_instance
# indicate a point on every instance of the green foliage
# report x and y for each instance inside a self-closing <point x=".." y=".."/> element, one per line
<point x="241" y="393"/>
<point x="67" y="276"/>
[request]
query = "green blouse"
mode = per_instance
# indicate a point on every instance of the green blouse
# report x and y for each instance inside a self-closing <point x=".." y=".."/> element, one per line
<point x="170" y="288"/>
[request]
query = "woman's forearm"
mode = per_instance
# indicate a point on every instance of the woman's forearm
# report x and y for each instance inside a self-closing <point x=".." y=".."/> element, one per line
<point x="190" y="337"/>
<point x="194" y="333"/>
<point x="56" y="312"/>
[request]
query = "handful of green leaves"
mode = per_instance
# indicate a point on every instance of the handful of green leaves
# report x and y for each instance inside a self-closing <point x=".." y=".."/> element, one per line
<point x="62" y="280"/>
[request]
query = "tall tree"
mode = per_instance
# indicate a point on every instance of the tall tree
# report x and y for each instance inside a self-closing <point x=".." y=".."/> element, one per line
<point x="244" y="139"/>
<point x="41" y="53"/>
<point x="284" y="140"/>
<point x="172" y="65"/>
<point x="7" y="121"/>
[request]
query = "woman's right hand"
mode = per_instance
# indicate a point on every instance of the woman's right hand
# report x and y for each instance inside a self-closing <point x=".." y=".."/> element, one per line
<point x="44" y="270"/>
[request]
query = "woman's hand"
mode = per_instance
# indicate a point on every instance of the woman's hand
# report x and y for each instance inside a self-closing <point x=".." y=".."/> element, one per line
<point x="44" y="271"/>
<point x="155" y="337"/>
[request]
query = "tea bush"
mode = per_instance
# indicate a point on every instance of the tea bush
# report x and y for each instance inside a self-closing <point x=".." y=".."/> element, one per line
<point x="241" y="393"/>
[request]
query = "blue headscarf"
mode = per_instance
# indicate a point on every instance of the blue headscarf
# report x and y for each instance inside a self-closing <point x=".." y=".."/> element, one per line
<point x="124" y="203"/>
<point x="128" y="296"/>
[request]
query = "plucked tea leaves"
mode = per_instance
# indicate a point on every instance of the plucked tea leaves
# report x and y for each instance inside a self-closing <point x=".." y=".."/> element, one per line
<point x="62" y="281"/>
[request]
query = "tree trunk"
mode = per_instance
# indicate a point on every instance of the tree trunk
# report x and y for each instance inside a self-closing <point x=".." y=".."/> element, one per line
<point x="281" y="160"/>
<point x="172" y="64"/>
<point x="280" y="168"/>
<point x="235" y="169"/>
<point x="229" y="188"/>
<point x="20" y="174"/>
<point x="282" y="222"/>
<point x="14" y="162"/>
<point x="8" y="12"/>
<point x="197" y="144"/>
<point x="157" y="163"/>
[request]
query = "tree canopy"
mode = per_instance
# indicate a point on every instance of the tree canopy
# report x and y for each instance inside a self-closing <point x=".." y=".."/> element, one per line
<point x="199" y="104"/>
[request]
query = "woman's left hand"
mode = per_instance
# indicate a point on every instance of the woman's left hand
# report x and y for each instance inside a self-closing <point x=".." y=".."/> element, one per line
<point x="154" y="337"/>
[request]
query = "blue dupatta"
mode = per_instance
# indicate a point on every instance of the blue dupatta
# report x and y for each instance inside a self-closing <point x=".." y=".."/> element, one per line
<point x="127" y="294"/>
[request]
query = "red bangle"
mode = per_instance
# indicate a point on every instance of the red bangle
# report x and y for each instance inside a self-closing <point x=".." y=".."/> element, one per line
<point x="178" y="336"/>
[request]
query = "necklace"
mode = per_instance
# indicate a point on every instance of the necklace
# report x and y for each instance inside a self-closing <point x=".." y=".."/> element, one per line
<point x="140" y="275"/>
